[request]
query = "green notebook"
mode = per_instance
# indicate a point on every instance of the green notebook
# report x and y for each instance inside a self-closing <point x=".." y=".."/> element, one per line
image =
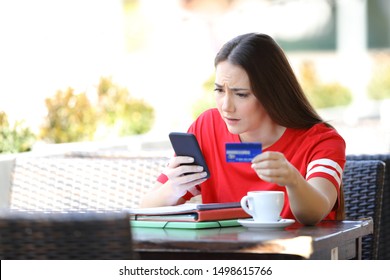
<point x="186" y="225"/>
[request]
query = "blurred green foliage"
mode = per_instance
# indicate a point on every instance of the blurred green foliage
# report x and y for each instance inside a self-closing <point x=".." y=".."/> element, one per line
<point x="122" y="113"/>
<point x="14" y="138"/>
<point x="73" y="117"/>
<point x="70" y="118"/>
<point x="207" y="100"/>
<point x="379" y="85"/>
<point x="322" y="95"/>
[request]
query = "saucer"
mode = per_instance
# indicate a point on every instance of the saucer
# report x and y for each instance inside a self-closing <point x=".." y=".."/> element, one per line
<point x="250" y="223"/>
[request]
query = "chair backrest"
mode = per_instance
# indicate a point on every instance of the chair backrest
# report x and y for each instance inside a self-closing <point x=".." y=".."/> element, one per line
<point x="82" y="183"/>
<point x="65" y="236"/>
<point x="384" y="235"/>
<point x="363" y="192"/>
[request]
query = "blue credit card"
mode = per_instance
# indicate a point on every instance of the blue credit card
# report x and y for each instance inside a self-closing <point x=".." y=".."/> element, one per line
<point x="242" y="152"/>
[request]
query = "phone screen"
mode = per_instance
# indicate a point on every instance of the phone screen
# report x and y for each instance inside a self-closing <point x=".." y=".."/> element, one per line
<point x="185" y="144"/>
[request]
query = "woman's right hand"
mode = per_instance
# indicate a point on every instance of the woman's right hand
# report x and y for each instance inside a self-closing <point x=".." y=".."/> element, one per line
<point x="182" y="175"/>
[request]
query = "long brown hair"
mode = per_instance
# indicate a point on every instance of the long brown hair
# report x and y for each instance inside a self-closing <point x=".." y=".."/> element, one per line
<point x="272" y="79"/>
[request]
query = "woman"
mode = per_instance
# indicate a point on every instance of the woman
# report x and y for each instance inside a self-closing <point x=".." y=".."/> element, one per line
<point x="260" y="100"/>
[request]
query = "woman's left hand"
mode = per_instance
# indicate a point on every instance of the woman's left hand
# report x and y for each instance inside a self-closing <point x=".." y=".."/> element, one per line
<point x="273" y="167"/>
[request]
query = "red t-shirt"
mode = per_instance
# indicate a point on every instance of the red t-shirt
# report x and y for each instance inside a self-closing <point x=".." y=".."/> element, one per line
<point x="315" y="152"/>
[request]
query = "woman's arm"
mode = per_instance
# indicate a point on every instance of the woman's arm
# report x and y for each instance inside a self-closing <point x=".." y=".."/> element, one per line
<point x="181" y="177"/>
<point x="311" y="200"/>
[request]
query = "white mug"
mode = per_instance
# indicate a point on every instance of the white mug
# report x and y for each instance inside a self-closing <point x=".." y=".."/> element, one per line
<point x="263" y="206"/>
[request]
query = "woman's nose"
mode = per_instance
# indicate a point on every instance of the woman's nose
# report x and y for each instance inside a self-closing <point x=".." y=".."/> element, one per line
<point x="227" y="105"/>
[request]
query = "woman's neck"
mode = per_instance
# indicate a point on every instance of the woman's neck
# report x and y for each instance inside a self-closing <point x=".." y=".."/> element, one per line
<point x="267" y="135"/>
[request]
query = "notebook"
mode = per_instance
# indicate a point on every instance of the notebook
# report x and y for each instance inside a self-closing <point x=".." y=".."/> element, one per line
<point x="185" y="225"/>
<point x="190" y="213"/>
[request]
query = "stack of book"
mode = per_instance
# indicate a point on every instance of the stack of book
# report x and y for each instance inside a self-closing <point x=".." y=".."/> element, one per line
<point x="189" y="216"/>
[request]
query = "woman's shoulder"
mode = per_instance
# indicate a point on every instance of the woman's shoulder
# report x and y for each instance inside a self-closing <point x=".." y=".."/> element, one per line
<point x="209" y="121"/>
<point x="319" y="141"/>
<point x="318" y="133"/>
<point x="210" y="114"/>
<point x="210" y="117"/>
<point x="323" y="135"/>
<point x="324" y="130"/>
<point x="319" y="130"/>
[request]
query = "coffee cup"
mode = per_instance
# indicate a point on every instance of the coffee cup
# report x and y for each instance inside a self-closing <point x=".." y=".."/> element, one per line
<point x="263" y="206"/>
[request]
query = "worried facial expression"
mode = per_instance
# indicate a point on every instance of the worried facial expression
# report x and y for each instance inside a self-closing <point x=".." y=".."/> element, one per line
<point x="238" y="106"/>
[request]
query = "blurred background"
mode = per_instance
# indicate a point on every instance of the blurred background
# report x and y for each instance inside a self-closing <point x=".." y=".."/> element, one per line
<point x="122" y="74"/>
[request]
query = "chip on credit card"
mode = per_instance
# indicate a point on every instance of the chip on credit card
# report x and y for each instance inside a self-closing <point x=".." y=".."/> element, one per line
<point x="242" y="152"/>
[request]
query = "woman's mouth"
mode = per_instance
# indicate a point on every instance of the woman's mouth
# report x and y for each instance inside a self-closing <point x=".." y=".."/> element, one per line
<point x="231" y="121"/>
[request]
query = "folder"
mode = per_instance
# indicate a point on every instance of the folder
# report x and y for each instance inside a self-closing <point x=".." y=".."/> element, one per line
<point x="185" y="225"/>
<point x="190" y="213"/>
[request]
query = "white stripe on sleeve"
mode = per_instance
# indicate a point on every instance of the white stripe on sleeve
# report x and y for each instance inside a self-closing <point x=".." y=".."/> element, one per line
<point x="327" y="166"/>
<point x="323" y="169"/>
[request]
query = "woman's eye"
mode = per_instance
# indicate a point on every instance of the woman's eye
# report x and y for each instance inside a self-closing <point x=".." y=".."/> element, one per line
<point x="218" y="90"/>
<point x="242" y="95"/>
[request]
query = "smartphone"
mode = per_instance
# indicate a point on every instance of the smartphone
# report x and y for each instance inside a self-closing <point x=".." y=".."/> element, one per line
<point x="185" y="144"/>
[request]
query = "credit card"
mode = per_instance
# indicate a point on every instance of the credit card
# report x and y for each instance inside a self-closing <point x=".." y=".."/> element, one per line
<point x="242" y="152"/>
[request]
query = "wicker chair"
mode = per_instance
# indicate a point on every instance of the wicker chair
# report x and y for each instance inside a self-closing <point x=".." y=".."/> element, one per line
<point x="82" y="183"/>
<point x="65" y="236"/>
<point x="363" y="189"/>
<point x="384" y="235"/>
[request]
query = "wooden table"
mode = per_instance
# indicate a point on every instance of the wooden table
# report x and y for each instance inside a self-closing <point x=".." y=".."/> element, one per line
<point x="327" y="240"/>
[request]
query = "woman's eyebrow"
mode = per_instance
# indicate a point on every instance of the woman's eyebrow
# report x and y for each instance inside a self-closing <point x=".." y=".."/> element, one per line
<point x="232" y="89"/>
